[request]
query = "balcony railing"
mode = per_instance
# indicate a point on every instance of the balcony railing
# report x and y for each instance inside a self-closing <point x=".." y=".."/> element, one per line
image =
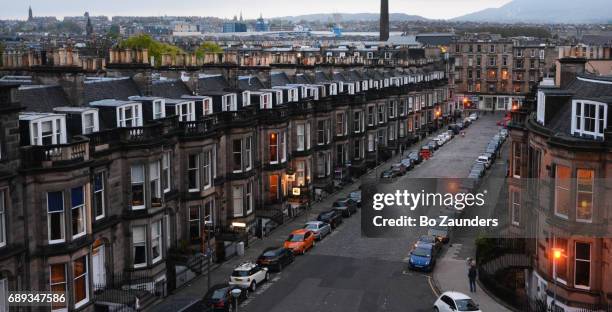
<point x="55" y="155"/>
<point x="199" y="127"/>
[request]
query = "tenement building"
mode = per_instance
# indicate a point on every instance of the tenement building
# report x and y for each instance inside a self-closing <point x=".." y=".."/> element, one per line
<point x="560" y="188"/>
<point x="118" y="177"/>
<point x="495" y="74"/>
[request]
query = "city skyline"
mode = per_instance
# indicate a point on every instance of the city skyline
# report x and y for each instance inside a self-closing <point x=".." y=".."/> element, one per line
<point x="446" y="9"/>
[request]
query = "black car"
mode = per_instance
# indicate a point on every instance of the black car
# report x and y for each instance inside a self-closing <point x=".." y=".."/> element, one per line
<point x="356" y="197"/>
<point x="346" y="207"/>
<point x="275" y="258"/>
<point x="333" y="217"/>
<point x="433" y="145"/>
<point x="415" y="157"/>
<point x="219" y="298"/>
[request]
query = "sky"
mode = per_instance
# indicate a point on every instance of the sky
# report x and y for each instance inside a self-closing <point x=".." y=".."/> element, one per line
<point x="436" y="9"/>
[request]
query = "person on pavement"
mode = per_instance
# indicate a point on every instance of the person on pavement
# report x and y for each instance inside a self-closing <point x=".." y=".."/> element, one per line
<point x="472" y="277"/>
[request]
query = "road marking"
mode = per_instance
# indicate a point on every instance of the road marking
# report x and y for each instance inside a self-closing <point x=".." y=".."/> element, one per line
<point x="433" y="289"/>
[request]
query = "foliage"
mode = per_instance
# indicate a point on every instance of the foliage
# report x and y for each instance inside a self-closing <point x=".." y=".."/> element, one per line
<point x="208" y="47"/>
<point x="155" y="48"/>
<point x="113" y="32"/>
<point x="69" y="27"/>
<point x="486" y="249"/>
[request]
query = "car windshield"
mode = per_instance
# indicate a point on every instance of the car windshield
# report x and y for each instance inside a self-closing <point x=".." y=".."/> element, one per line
<point x="421" y="252"/>
<point x="354" y="195"/>
<point x="240" y="273"/>
<point x="340" y="204"/>
<point x="271" y="253"/>
<point x="311" y="226"/>
<point x="295" y="238"/>
<point x="426" y="239"/>
<point x="466" y="305"/>
<point x="219" y="293"/>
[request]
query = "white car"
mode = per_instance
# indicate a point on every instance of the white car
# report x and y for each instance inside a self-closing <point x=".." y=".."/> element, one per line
<point x="248" y="275"/>
<point x="452" y="301"/>
<point x="473" y="117"/>
<point x="485" y="160"/>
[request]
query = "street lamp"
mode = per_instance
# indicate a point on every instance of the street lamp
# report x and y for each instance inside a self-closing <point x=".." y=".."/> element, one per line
<point x="235" y="294"/>
<point x="557" y="253"/>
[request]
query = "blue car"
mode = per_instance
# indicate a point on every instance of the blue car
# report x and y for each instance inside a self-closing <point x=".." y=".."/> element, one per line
<point x="422" y="258"/>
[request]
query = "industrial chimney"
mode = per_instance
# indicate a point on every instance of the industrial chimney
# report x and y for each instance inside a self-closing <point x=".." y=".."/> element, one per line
<point x="384" y="20"/>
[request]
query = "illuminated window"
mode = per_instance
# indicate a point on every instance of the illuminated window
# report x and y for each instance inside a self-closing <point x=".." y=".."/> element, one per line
<point x="562" y="190"/>
<point x="584" y="195"/>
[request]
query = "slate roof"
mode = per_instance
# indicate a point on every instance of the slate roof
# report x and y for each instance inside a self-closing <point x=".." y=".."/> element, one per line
<point x="303" y="78"/>
<point x="173" y="89"/>
<point x="212" y="83"/>
<point x="42" y="98"/>
<point x="251" y="83"/>
<point x="280" y="79"/>
<point x="321" y="77"/>
<point x="119" y="89"/>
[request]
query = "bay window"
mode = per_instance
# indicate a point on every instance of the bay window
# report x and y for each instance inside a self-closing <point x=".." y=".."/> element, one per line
<point x="356" y="122"/>
<point x="516" y="159"/>
<point x="381" y="114"/>
<point x="242" y="154"/>
<point x="81" y="281"/>
<point x="273" y="146"/>
<point x="166" y="171"/>
<point x="249" y="197"/>
<point x="300" y="129"/>
<point x="300" y="172"/>
<point x="238" y="200"/>
<point x="561" y="244"/>
<point x="273" y="182"/>
<point x="78" y="212"/>
<point x="48" y="131"/>
<point x="137" y="175"/>
<point x="193" y="172"/>
<point x="341" y="124"/>
<point x="584" y="195"/>
<point x="156" y="241"/>
<point x="98" y="195"/>
<point x="159" y="109"/>
<point x="139" y="245"/>
<point x="58" y="284"/>
<point x="582" y="265"/>
<point x="207" y="163"/>
<point x="248" y="152"/>
<point x="516" y="207"/>
<point x="209" y="209"/>
<point x="90" y="122"/>
<point x="370" y="115"/>
<point x="55" y="217"/>
<point x="155" y="183"/>
<point x="562" y="190"/>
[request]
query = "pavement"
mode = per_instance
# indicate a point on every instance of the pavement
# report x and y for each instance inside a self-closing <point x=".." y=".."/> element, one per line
<point x="346" y="272"/>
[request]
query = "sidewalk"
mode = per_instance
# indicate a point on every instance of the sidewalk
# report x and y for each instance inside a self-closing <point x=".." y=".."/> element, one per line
<point x="195" y="290"/>
<point x="451" y="274"/>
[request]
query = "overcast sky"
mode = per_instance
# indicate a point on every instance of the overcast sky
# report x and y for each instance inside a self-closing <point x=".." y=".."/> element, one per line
<point x="438" y="9"/>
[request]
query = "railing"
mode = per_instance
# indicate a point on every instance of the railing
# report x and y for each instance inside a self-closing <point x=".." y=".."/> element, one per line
<point x="129" y="291"/>
<point x="198" y="127"/>
<point x="59" y="154"/>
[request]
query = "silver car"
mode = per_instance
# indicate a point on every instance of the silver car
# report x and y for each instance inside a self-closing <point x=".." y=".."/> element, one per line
<point x="319" y="228"/>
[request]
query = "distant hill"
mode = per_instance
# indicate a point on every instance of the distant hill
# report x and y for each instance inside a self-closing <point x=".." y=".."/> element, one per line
<point x="329" y="17"/>
<point x="545" y="11"/>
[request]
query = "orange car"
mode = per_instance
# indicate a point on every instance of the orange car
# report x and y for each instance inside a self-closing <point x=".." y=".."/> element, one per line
<point x="300" y="241"/>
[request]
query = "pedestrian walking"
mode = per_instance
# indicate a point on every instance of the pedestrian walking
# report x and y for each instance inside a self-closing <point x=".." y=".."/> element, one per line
<point x="472" y="277"/>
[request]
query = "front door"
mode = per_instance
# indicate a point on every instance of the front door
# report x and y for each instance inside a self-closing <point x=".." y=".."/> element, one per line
<point x="99" y="270"/>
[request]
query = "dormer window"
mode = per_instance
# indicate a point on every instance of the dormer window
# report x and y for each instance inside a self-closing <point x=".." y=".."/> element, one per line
<point x="186" y="111"/>
<point x="589" y="118"/>
<point x="246" y="98"/>
<point x="46" y="129"/>
<point x="229" y="102"/>
<point x="357" y="87"/>
<point x="365" y="85"/>
<point x="90" y="122"/>
<point x="351" y="88"/>
<point x="159" y="109"/>
<point x="207" y="106"/>
<point x="293" y="95"/>
<point x="370" y="55"/>
<point x="265" y="100"/>
<point x="129" y="116"/>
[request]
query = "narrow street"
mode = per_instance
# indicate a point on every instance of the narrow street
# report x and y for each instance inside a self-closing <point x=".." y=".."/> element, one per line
<point x="347" y="272"/>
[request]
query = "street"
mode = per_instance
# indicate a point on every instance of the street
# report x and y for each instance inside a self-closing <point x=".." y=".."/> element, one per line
<point x="347" y="272"/>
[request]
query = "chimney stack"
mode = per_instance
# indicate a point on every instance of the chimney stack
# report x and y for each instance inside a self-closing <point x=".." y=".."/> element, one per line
<point x="384" y="20"/>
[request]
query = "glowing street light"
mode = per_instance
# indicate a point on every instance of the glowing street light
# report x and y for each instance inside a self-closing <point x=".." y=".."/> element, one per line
<point x="557" y="253"/>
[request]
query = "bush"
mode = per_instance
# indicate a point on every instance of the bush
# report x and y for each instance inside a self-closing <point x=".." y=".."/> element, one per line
<point x="155" y="48"/>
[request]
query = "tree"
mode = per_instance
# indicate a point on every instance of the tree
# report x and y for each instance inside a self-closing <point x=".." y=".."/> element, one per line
<point x="208" y="47"/>
<point x="1" y="53"/>
<point x="113" y="32"/>
<point x="155" y="48"/>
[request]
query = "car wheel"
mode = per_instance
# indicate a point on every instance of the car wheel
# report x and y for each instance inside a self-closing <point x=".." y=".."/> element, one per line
<point x="436" y="309"/>
<point x="253" y="286"/>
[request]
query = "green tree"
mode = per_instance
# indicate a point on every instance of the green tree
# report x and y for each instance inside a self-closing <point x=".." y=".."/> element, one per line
<point x="113" y="32"/>
<point x="155" y="48"/>
<point x="208" y="47"/>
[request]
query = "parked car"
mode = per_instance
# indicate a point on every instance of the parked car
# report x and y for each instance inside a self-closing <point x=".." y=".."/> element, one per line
<point x="407" y="163"/>
<point x="422" y="258"/>
<point x="503" y="133"/>
<point x="249" y="275"/>
<point x="331" y="217"/>
<point x="300" y="241"/>
<point x="451" y="133"/>
<point x="275" y="258"/>
<point x="426" y="152"/>
<point x="478" y="167"/>
<point x="319" y="228"/>
<point x="455" y="128"/>
<point x="219" y="298"/>
<point x="399" y="169"/>
<point x="428" y="240"/>
<point x="490" y="155"/>
<point x="356" y="197"/>
<point x="485" y="160"/>
<point x="346" y="207"/>
<point x="466" y="122"/>
<point x="415" y="157"/>
<point x="452" y="301"/>
<point x="460" y="125"/>
<point x="439" y="233"/>
<point x="433" y="145"/>
<point x="439" y="141"/>
<point x="388" y="174"/>
<point x="473" y="117"/>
